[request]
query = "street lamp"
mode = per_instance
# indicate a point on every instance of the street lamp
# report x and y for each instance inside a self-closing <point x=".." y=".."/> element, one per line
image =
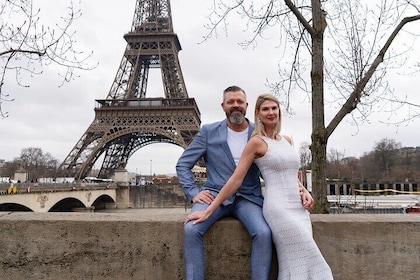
<point x="150" y="169"/>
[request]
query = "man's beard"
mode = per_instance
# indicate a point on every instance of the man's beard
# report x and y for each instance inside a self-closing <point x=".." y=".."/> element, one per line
<point x="236" y="117"/>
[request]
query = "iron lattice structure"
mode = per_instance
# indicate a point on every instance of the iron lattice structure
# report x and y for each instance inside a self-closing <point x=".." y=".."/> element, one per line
<point x="127" y="120"/>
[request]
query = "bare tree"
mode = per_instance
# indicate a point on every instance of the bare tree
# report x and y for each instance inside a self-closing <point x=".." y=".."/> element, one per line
<point x="305" y="160"/>
<point x="335" y="159"/>
<point x="351" y="73"/>
<point x="38" y="164"/>
<point x="385" y="152"/>
<point x="27" y="45"/>
<point x="305" y="154"/>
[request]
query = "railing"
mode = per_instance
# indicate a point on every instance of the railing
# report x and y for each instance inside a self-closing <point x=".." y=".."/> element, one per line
<point x="146" y="102"/>
<point x="371" y="188"/>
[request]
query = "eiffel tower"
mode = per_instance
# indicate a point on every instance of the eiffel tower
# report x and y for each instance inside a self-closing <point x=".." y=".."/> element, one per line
<point x="127" y="120"/>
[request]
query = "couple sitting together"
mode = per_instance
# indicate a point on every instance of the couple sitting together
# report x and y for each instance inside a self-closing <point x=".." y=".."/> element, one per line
<point x="237" y="153"/>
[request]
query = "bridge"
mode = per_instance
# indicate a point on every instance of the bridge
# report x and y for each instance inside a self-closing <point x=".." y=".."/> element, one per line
<point x="62" y="197"/>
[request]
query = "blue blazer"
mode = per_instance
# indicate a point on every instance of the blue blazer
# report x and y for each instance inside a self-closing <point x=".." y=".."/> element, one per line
<point x="211" y="144"/>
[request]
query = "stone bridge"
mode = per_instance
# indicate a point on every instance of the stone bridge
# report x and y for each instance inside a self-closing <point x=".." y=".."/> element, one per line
<point x="62" y="197"/>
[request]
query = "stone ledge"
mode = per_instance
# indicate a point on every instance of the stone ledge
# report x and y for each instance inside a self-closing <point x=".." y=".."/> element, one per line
<point x="147" y="244"/>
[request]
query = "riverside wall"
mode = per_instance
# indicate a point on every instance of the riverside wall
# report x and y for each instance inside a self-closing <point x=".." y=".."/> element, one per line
<point x="147" y="244"/>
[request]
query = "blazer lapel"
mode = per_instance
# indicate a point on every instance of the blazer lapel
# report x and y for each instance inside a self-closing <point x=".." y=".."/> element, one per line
<point x="250" y="128"/>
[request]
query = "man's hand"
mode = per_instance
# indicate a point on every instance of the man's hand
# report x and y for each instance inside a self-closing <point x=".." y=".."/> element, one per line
<point x="203" y="197"/>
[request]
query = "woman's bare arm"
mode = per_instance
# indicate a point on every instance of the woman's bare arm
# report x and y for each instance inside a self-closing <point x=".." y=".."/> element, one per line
<point x="253" y="149"/>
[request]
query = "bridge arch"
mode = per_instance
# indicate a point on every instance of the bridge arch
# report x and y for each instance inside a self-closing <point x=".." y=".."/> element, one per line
<point x="102" y="202"/>
<point x="67" y="204"/>
<point x="14" y="207"/>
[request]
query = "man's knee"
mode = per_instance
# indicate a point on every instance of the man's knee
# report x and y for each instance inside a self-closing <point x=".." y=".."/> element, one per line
<point x="264" y="232"/>
<point x="189" y="229"/>
<point x="192" y="231"/>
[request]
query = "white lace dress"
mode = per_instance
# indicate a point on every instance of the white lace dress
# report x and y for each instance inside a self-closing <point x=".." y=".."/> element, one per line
<point x="298" y="255"/>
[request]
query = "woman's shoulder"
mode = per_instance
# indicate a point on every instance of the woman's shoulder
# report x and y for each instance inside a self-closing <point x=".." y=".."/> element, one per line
<point x="258" y="145"/>
<point x="258" y="140"/>
<point x="288" y="139"/>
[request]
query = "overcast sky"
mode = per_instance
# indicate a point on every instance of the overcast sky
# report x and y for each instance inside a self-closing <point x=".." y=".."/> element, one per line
<point x="54" y="118"/>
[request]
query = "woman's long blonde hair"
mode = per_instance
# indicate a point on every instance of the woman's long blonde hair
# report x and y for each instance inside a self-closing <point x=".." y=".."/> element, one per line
<point x="259" y="128"/>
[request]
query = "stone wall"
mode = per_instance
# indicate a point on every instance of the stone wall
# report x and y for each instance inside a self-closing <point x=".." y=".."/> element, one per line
<point x="157" y="196"/>
<point x="147" y="244"/>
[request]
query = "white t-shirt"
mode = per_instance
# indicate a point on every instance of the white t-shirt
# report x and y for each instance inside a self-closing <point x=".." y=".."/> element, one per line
<point x="237" y="141"/>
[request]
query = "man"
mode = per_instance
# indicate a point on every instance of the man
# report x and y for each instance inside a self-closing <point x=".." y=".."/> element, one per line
<point x="221" y="145"/>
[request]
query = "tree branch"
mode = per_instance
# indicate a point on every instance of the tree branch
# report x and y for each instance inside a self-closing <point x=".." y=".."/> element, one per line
<point x="300" y="17"/>
<point x="23" y="39"/>
<point x="13" y="51"/>
<point x="356" y="95"/>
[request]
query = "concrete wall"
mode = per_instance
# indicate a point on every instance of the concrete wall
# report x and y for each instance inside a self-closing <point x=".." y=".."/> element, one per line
<point x="147" y="244"/>
<point x="157" y="196"/>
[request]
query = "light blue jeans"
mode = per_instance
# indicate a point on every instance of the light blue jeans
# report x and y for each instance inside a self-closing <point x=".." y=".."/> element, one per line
<point x="250" y="214"/>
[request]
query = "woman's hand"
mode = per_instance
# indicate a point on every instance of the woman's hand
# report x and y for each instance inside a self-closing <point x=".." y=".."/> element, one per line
<point x="305" y="196"/>
<point x="307" y="199"/>
<point x="197" y="217"/>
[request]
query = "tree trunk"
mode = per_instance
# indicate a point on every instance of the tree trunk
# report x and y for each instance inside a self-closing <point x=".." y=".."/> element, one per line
<point x="319" y="136"/>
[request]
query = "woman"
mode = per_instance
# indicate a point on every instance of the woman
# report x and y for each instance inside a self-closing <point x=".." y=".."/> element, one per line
<point x="298" y="255"/>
